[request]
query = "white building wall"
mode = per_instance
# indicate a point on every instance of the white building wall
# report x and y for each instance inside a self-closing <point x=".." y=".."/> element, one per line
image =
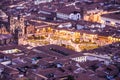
<point x="112" y="21"/>
<point x="75" y="16"/>
<point x="62" y="16"/>
<point x="80" y="59"/>
<point x="37" y="2"/>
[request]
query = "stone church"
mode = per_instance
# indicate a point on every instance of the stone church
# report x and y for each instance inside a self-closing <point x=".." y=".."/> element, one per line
<point x="17" y="27"/>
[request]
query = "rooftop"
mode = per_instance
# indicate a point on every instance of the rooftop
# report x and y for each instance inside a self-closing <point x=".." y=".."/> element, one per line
<point x="115" y="16"/>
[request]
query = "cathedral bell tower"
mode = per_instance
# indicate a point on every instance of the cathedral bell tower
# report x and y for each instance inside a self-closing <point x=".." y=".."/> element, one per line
<point x="20" y="30"/>
<point x="22" y="24"/>
<point x="18" y="35"/>
<point x="11" y="21"/>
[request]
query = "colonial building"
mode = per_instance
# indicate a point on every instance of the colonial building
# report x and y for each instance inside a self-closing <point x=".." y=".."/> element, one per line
<point x="69" y="12"/>
<point x="112" y="19"/>
<point x="15" y="30"/>
<point x="37" y="2"/>
<point x="3" y="15"/>
<point x="16" y="23"/>
<point x="3" y="29"/>
<point x="17" y="27"/>
<point x="5" y="39"/>
<point x="29" y="28"/>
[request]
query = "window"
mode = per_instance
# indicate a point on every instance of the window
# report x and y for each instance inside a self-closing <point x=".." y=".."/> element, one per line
<point x="107" y="21"/>
<point x="117" y="24"/>
<point x="21" y="19"/>
<point x="12" y="21"/>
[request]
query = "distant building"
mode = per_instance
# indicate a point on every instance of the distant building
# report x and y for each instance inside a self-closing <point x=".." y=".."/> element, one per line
<point x="15" y="30"/>
<point x="17" y="27"/>
<point x="70" y="12"/>
<point x="100" y="0"/>
<point x="37" y="2"/>
<point x="5" y="39"/>
<point x="3" y="15"/>
<point x="16" y="23"/>
<point x="112" y="19"/>
<point x="3" y="29"/>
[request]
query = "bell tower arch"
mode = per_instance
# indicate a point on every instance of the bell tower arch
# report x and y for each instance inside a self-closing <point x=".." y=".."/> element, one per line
<point x="21" y="24"/>
<point x="11" y="21"/>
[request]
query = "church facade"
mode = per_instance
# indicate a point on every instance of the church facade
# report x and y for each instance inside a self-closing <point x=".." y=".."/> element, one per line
<point x="17" y="27"/>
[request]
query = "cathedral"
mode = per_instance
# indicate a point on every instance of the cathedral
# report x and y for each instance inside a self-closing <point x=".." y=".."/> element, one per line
<point x="17" y="27"/>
